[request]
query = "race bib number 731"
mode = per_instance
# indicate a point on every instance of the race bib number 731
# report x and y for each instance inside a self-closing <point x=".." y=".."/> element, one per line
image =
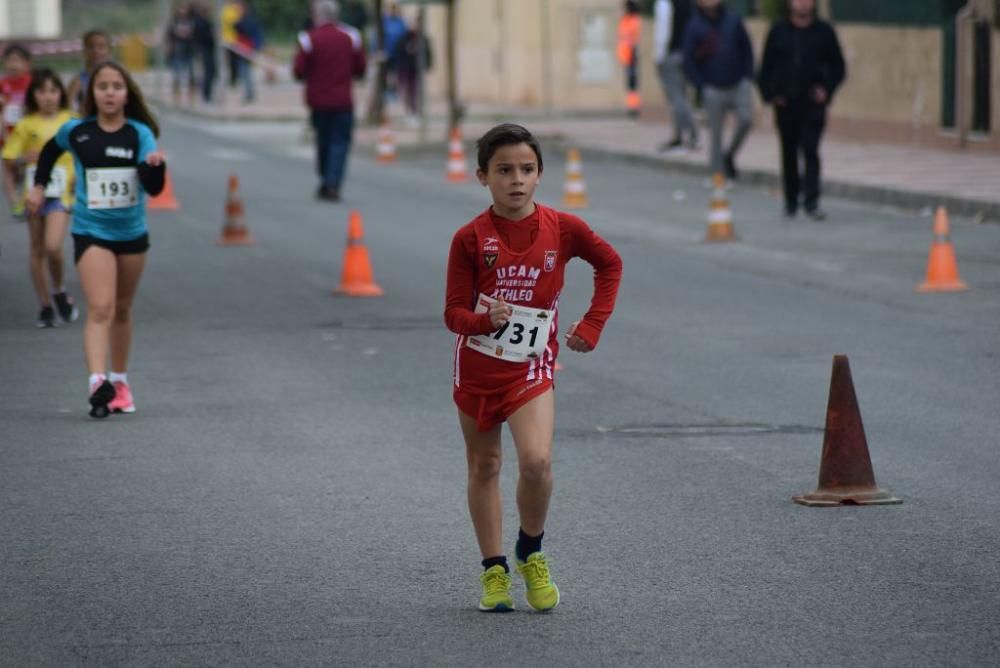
<point x="522" y="338"/>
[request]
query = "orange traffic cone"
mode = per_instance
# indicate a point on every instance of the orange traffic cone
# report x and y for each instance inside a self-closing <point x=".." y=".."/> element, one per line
<point x="234" y="227"/>
<point x="385" y="145"/>
<point x="356" y="278"/>
<point x="845" y="470"/>
<point x="457" y="170"/>
<point x="165" y="201"/>
<point x="720" y="217"/>
<point x="942" y="268"/>
<point x="575" y="190"/>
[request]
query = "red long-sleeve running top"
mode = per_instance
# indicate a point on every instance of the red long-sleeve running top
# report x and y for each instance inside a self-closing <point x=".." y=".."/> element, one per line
<point x="471" y="270"/>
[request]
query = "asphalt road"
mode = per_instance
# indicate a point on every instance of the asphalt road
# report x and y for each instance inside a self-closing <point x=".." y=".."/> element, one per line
<point x="291" y="489"/>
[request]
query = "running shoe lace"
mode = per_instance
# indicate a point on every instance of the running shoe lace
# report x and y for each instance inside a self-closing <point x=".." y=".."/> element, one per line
<point x="495" y="583"/>
<point x="536" y="573"/>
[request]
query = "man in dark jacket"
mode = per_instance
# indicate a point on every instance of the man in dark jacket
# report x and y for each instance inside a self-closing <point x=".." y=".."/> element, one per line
<point x="718" y="60"/>
<point x="330" y="57"/>
<point x="802" y="68"/>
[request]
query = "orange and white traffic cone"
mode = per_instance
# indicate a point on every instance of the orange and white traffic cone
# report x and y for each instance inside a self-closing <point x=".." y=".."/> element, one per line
<point x="356" y="279"/>
<point x="385" y="144"/>
<point x="234" y="227"/>
<point x="457" y="170"/>
<point x="166" y="200"/>
<point x="720" y="216"/>
<point x="942" y="267"/>
<point x="575" y="190"/>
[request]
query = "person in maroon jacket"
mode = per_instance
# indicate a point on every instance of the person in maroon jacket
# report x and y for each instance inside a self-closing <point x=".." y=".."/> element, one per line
<point x="330" y="57"/>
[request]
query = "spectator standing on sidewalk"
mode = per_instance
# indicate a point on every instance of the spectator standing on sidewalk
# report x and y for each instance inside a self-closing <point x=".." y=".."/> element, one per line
<point x="669" y="19"/>
<point x="407" y="57"/>
<point x="231" y="12"/>
<point x="204" y="44"/>
<point x="180" y="51"/>
<point x="250" y="40"/>
<point x="801" y="70"/>
<point x="328" y="60"/>
<point x="718" y="60"/>
<point x="629" y="33"/>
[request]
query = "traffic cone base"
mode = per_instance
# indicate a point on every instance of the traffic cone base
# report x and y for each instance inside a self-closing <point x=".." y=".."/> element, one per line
<point x="166" y="200"/>
<point x="719" y="232"/>
<point x="356" y="278"/>
<point x="845" y="471"/>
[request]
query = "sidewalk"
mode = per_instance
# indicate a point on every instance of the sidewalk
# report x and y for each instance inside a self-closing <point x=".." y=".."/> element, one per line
<point x="889" y="174"/>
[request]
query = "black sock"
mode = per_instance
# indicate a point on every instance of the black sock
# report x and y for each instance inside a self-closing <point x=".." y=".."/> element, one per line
<point x="527" y="545"/>
<point x="496" y="561"/>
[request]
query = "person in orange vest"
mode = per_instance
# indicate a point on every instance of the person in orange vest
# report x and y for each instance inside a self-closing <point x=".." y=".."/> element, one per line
<point x="629" y="31"/>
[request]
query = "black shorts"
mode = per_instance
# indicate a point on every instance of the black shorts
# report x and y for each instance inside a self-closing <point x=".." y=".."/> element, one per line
<point x="82" y="242"/>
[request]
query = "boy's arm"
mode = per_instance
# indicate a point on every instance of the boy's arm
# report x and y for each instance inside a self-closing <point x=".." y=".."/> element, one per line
<point x="586" y="244"/>
<point x="458" y="314"/>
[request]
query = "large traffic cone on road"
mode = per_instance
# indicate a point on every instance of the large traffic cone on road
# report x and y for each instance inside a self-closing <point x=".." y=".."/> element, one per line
<point x="165" y="201"/>
<point x="942" y="268"/>
<point x="720" y="216"/>
<point x="575" y="190"/>
<point x="385" y="144"/>
<point x="356" y="278"/>
<point x="234" y="227"/>
<point x="457" y="171"/>
<point x="845" y="469"/>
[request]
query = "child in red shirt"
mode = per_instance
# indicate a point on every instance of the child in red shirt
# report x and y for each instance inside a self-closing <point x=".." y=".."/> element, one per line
<point x="505" y="274"/>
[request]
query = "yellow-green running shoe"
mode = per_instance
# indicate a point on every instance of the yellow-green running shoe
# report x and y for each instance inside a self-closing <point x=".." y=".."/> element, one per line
<point x="496" y="590"/>
<point x="542" y="593"/>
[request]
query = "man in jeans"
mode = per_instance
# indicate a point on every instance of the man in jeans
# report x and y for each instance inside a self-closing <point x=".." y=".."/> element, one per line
<point x="801" y="69"/>
<point x="330" y="56"/>
<point x="718" y="59"/>
<point x="669" y="19"/>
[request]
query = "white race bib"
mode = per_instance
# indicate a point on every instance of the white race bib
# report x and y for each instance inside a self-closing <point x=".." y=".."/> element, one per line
<point x="112" y="187"/>
<point x="57" y="181"/>
<point x="12" y="113"/>
<point x="522" y="338"/>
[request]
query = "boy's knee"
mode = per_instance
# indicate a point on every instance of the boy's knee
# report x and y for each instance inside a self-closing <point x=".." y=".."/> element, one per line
<point x="535" y="468"/>
<point x="485" y="467"/>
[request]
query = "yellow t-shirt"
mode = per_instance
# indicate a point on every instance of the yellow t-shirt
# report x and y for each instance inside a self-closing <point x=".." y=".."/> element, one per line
<point x="30" y="134"/>
<point x="230" y="16"/>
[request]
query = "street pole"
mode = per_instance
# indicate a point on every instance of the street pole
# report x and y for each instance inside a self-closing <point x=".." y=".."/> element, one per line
<point x="376" y="106"/>
<point x="454" y="112"/>
<point x="421" y="67"/>
<point x="221" y="84"/>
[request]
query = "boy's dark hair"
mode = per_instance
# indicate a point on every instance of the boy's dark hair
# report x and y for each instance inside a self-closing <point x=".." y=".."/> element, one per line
<point x="38" y="79"/>
<point x="505" y="134"/>
<point x="97" y="32"/>
<point x="19" y="49"/>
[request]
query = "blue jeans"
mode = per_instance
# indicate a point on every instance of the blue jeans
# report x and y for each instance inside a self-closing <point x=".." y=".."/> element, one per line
<point x="245" y="70"/>
<point x="333" y="143"/>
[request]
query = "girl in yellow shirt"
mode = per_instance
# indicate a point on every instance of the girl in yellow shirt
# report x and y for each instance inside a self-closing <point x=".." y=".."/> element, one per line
<point x="47" y="108"/>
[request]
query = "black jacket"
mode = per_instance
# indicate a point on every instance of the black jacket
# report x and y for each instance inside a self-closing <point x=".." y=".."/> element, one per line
<point x="798" y="59"/>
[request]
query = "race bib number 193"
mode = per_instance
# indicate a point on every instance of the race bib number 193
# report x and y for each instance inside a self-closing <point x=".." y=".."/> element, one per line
<point x="522" y="338"/>
<point x="112" y="187"/>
